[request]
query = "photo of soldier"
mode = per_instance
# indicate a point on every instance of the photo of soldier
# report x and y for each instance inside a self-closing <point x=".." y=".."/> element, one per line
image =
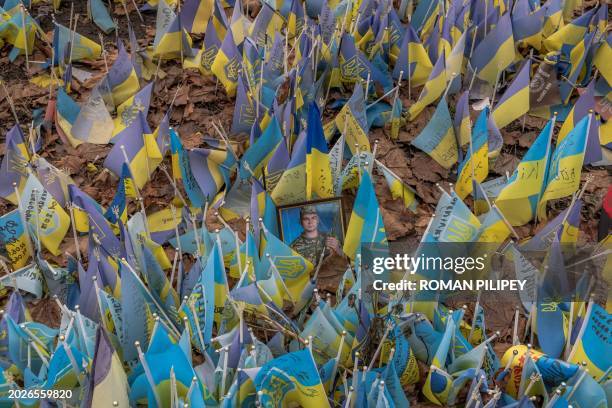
<point x="314" y="230"/>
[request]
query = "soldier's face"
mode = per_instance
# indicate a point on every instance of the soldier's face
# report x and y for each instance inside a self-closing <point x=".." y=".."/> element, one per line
<point x="310" y="222"/>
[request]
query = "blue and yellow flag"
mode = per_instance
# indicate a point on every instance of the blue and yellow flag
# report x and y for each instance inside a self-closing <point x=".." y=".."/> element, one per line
<point x="19" y="29"/>
<point x="591" y="340"/>
<point x="519" y="198"/>
<point x="169" y="371"/>
<point x="291" y="378"/>
<point x="290" y="186"/>
<point x="14" y="239"/>
<point x="210" y="47"/>
<point x="227" y="64"/>
<point x="257" y="155"/>
<point x="563" y="176"/>
<point x="263" y="207"/>
<point x="15" y="164"/>
<point x="352" y="121"/>
<point x="514" y="103"/>
<point x="438" y="382"/>
<point x="481" y="200"/>
<point x="171" y="38"/>
<point x="122" y="77"/>
<point x="319" y="182"/>
<point x="553" y="19"/>
<point x="434" y="87"/>
<point x="266" y="24"/>
<point x="292" y="267"/>
<point x="88" y="217"/>
<point x="295" y="20"/>
<point x="208" y="172"/>
<point x="83" y="48"/>
<point x="93" y="124"/>
<point x="462" y="121"/>
<point x="182" y="170"/>
<point x="127" y="112"/>
<point x="493" y="229"/>
<point x="399" y="189"/>
<point x="107" y="370"/>
<point x="117" y="210"/>
<point x="476" y="163"/>
<point x="581" y="108"/>
<point x="195" y="15"/>
<point x="137" y="147"/>
<point x="49" y="223"/>
<point x="437" y="139"/>
<point x="570" y="34"/>
<point x="247" y="254"/>
<point x="424" y="16"/>
<point x="66" y="113"/>
<point x="495" y="52"/>
<point x="577" y="58"/>
<point x="366" y="223"/>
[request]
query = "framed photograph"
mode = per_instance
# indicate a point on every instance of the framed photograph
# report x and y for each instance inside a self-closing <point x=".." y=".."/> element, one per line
<point x="314" y="229"/>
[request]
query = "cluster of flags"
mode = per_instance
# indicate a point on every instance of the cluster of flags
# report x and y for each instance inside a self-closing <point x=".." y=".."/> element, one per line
<point x="158" y="310"/>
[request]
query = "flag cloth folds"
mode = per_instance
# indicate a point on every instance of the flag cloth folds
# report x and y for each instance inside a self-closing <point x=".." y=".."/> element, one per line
<point x="519" y="198"/>
<point x="366" y="223"/>
<point x="434" y="87"/>
<point x="514" y="103"/>
<point x="475" y="166"/>
<point x="83" y="48"/>
<point x="93" y="124"/>
<point x="122" y="77"/>
<point x="318" y="171"/>
<point x="14" y="239"/>
<point x="227" y="64"/>
<point x="108" y="377"/>
<point x="291" y="378"/>
<point x="495" y="52"/>
<point x="292" y="267"/>
<point x="137" y="148"/>
<point x="15" y="164"/>
<point x="563" y="176"/>
<point x="438" y="382"/>
<point x="46" y="218"/>
<point x="592" y="339"/>
<point x="398" y="188"/>
<point x="352" y="121"/>
<point x="171" y="38"/>
<point x="99" y="14"/>
<point x="437" y="139"/>
<point x="195" y="15"/>
<point x="461" y="121"/>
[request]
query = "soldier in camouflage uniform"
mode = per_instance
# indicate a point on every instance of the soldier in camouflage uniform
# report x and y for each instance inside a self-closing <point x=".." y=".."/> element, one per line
<point x="312" y="242"/>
